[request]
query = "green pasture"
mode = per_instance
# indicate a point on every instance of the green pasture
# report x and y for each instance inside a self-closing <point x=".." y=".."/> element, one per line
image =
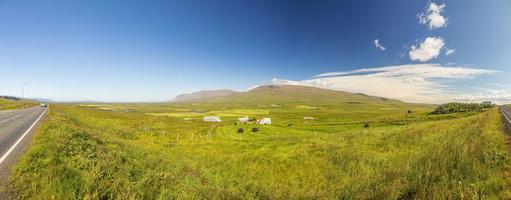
<point x="85" y="152"/>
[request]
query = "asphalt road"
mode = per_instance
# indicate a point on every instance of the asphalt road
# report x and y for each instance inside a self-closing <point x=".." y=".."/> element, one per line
<point x="16" y="129"/>
<point x="507" y="114"/>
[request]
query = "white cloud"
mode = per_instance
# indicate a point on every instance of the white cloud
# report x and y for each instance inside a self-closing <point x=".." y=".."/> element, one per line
<point x="424" y="83"/>
<point x="427" y="50"/>
<point x="417" y="70"/>
<point x="250" y="88"/>
<point x="450" y="51"/>
<point x="433" y="17"/>
<point x="378" y="45"/>
<point x="496" y="96"/>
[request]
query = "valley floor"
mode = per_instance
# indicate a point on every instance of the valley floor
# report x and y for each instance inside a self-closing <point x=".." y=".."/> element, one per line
<point x="128" y="152"/>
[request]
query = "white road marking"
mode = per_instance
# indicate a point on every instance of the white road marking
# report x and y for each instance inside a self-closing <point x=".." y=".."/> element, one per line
<point x="502" y="111"/>
<point x="2" y="159"/>
<point x="7" y="111"/>
<point x="5" y="120"/>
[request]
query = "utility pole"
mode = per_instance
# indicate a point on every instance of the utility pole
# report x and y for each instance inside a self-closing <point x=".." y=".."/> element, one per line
<point x="23" y="90"/>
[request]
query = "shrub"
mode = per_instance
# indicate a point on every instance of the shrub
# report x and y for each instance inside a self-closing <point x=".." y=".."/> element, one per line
<point x="454" y="107"/>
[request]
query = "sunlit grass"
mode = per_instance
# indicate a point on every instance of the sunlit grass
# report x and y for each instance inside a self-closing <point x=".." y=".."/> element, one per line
<point x="240" y="112"/>
<point x="178" y="114"/>
<point x="6" y="104"/>
<point x="83" y="153"/>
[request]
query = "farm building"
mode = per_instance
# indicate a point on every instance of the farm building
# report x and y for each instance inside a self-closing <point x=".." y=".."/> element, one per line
<point x="264" y="121"/>
<point x="486" y="103"/>
<point x="211" y="119"/>
<point x="243" y="119"/>
<point x="308" y="118"/>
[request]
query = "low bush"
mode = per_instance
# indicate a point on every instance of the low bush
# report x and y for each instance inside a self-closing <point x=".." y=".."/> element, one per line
<point x="455" y="107"/>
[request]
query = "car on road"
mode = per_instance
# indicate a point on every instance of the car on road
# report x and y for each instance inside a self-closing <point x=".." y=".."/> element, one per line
<point x="44" y="105"/>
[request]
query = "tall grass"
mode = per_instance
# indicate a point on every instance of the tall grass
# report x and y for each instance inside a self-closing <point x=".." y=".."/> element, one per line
<point x="82" y="153"/>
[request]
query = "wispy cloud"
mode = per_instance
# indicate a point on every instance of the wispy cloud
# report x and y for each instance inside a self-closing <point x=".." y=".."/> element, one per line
<point x="496" y="96"/>
<point x="421" y="83"/>
<point x="433" y="16"/>
<point x="426" y="83"/>
<point x="378" y="45"/>
<point x="419" y="70"/>
<point x="450" y="51"/>
<point x="430" y="48"/>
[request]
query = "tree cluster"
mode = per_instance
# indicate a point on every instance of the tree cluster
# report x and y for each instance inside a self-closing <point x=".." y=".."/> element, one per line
<point x="459" y="107"/>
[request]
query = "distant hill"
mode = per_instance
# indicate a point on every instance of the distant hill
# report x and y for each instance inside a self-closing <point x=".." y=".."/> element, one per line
<point x="13" y="98"/>
<point x="10" y="98"/>
<point x="203" y="95"/>
<point x="276" y="94"/>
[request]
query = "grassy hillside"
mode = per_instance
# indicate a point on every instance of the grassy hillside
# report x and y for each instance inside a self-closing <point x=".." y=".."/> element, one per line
<point x="164" y="151"/>
<point x="6" y="104"/>
<point x="277" y="94"/>
<point x="203" y="95"/>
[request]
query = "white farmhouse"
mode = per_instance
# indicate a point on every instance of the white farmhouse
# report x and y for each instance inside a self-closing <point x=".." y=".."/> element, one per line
<point x="244" y="119"/>
<point x="211" y="119"/>
<point x="264" y="121"/>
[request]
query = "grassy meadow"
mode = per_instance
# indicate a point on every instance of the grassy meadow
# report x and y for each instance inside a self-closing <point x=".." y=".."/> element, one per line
<point x="6" y="104"/>
<point x="165" y="151"/>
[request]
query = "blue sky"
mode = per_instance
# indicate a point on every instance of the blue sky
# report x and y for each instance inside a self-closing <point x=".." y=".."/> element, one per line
<point x="110" y="50"/>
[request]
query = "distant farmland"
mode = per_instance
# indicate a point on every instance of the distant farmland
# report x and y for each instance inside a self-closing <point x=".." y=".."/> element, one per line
<point x="373" y="149"/>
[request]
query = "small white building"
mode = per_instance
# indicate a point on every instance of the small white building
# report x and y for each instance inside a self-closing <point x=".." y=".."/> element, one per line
<point x="244" y="119"/>
<point x="211" y="119"/>
<point x="264" y="121"/>
<point x="308" y="118"/>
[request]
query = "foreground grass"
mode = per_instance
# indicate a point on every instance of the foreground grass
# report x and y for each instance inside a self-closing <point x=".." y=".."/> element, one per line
<point x="83" y="153"/>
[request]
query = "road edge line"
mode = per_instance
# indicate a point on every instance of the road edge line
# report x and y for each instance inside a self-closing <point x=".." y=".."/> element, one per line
<point x="2" y="159"/>
<point x="508" y="120"/>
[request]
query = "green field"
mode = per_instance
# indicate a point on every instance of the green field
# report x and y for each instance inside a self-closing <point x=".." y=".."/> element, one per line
<point x="130" y="152"/>
<point x="6" y="104"/>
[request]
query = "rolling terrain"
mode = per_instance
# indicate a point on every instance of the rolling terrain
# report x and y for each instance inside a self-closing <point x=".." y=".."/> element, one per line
<point x="274" y="94"/>
<point x="355" y="147"/>
<point x="8" y="104"/>
<point x="203" y="95"/>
